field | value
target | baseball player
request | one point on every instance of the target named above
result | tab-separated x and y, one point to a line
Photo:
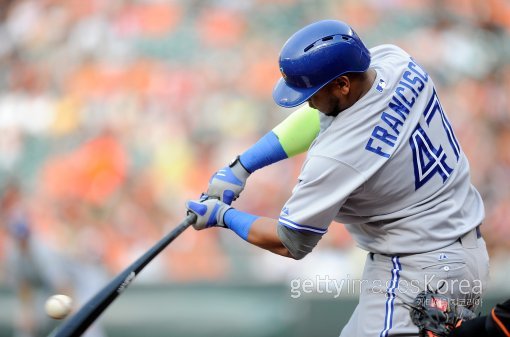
382	159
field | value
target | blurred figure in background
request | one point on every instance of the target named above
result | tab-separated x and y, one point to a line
35	271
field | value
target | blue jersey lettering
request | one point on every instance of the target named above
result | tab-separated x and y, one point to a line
384	136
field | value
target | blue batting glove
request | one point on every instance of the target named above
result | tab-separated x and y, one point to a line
209	212
228	183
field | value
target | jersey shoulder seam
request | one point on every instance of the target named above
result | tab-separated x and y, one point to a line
338	161
345	164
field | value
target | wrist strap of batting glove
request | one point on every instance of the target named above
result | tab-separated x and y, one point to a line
239	170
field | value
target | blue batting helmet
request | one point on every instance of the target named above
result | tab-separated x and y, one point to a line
316	55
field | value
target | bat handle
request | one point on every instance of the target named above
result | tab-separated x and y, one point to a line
191	218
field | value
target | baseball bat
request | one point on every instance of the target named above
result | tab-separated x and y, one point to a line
81	320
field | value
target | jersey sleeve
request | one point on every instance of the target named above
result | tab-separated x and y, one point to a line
298	130
323	187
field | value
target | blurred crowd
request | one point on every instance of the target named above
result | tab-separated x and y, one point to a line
113	113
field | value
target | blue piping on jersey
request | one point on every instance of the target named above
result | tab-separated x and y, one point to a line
292	225
390	301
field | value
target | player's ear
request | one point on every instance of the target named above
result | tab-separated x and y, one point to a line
343	83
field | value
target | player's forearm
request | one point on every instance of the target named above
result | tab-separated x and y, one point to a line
259	231
289	138
263	233
292	136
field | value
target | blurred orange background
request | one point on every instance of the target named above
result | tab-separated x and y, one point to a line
113	113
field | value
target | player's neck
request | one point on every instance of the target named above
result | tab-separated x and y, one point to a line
367	80
360	85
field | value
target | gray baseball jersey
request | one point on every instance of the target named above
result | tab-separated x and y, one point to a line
389	167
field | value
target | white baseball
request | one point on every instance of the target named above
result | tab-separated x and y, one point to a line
58	306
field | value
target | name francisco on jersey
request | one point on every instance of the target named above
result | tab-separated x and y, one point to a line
409	88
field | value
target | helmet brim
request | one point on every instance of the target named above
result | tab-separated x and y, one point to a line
289	97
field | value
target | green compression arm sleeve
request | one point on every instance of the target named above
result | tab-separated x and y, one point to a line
297	132
291	137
